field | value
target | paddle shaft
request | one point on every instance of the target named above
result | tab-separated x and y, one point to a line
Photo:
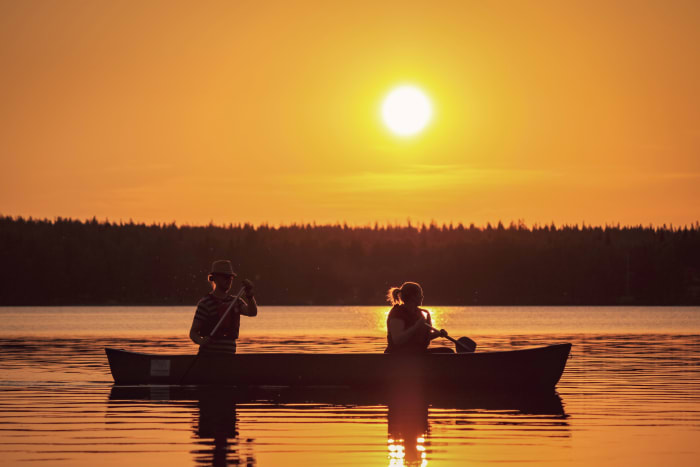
448	337
223	317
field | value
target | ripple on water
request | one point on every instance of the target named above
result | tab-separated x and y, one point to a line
619	390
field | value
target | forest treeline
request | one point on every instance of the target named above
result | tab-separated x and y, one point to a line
72	262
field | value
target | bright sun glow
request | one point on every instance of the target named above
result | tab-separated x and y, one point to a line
406	110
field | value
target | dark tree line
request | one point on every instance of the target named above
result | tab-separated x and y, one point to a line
70	262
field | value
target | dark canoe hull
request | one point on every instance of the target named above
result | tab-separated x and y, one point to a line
519	370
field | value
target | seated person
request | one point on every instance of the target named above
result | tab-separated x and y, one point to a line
406	324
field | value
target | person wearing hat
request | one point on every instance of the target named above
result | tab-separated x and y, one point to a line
212	307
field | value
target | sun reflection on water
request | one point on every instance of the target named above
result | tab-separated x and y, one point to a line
398	456
381	314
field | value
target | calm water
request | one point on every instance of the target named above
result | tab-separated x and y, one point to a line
630	394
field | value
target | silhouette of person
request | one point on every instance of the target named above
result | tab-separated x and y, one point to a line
213	306
406	324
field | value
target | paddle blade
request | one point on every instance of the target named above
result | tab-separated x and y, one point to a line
465	345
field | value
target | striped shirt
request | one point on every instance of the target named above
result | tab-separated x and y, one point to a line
210	309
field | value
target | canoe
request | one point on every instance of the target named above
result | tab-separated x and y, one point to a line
535	369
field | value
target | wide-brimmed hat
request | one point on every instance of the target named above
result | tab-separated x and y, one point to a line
222	266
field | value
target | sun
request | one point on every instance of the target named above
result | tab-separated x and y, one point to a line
406	110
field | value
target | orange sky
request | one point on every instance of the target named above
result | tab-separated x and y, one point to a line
269	111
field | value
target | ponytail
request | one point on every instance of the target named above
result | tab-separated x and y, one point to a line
392	295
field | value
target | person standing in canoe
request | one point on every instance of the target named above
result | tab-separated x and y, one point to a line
406	324
212	307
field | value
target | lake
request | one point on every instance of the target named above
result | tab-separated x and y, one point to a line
630	394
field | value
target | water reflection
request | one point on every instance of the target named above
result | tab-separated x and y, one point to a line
408	409
216	430
408	428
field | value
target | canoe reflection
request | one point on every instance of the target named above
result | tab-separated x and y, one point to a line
215	426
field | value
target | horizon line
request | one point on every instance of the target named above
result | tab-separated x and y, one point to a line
519	224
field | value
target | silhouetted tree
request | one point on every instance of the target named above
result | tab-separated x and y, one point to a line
104	263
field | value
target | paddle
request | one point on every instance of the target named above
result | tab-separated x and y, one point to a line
235	299
213	331
462	345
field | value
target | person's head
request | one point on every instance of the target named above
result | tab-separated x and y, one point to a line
409	293
221	275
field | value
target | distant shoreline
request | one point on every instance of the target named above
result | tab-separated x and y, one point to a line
513	224
74	263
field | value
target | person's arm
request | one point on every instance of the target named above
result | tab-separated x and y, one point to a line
196	329
250	307
436	334
433	334
399	334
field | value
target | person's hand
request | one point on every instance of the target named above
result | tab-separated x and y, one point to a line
443	333
249	288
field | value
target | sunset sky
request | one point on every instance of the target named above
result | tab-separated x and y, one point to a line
193	112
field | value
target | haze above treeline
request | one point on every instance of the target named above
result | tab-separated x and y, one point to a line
73	262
